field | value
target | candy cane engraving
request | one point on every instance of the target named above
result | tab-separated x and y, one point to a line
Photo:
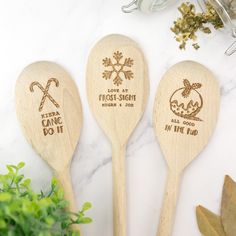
45	92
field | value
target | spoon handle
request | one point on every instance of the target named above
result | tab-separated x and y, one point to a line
64	179
119	191
169	205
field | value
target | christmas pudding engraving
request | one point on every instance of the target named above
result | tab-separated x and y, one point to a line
118	68
187	102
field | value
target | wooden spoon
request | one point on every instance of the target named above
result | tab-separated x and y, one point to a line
185	115
117	87
49	110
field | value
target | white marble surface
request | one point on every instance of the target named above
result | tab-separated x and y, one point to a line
64	31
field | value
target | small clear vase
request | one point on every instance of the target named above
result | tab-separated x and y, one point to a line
226	9
147	6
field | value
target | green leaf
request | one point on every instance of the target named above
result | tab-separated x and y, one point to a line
228	207
10	168
86	206
2	224
26	183
209	224
20	165
18	179
25	212
5	197
85	220
50	220
75	234
54	181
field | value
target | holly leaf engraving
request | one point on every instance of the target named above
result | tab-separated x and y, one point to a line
209	224
228	207
196	85
186	83
188	87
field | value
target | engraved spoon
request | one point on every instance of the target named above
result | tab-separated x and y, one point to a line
117	88
49	110
185	115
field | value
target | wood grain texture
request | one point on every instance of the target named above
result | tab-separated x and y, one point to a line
49	110
185	115
117	88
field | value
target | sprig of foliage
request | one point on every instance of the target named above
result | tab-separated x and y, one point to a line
26	213
186	27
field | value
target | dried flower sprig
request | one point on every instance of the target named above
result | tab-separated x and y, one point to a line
211	224
186	26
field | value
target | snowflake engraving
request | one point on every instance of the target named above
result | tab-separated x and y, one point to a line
119	70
